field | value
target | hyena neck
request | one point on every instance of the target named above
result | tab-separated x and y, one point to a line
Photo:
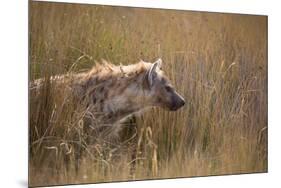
114	91
120	115
121	106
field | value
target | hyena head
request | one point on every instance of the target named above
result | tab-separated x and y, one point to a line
158	89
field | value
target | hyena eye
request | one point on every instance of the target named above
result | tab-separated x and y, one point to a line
168	88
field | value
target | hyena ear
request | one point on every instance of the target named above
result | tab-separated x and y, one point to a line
159	63
152	72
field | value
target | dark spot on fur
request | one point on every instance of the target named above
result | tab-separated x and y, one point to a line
101	89
163	80
159	99
110	115
110	84
94	100
105	94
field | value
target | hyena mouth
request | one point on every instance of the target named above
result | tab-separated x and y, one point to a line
175	108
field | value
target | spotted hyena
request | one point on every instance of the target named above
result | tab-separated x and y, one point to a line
112	93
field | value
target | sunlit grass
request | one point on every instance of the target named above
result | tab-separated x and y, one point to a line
218	62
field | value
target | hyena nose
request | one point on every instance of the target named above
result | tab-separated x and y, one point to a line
181	103
177	102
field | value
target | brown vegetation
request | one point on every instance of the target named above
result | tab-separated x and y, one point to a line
218	62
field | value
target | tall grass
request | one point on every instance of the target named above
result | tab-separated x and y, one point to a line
218	62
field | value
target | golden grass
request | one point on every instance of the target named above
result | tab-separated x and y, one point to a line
218	62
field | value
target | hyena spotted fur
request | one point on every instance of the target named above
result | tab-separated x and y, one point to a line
116	92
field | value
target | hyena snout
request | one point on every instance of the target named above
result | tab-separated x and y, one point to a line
177	102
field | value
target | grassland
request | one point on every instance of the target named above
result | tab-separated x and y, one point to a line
218	62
